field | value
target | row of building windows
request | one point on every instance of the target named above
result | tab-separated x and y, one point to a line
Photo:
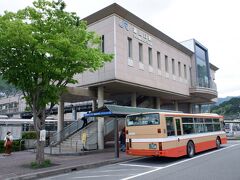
150	59
8	105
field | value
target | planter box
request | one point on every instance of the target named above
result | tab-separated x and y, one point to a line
30	143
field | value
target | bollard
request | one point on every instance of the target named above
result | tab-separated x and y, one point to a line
76	146
50	149
20	145
60	150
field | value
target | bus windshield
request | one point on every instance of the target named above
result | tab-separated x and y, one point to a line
143	119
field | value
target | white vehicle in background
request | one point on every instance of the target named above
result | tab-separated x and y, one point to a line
232	128
17	126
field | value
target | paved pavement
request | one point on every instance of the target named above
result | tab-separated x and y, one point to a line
17	166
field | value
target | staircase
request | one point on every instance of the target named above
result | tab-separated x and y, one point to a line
72	143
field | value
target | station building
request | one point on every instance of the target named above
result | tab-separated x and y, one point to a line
149	68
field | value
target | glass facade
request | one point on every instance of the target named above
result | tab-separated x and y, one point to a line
202	66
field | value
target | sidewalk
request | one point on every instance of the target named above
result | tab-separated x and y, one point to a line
16	166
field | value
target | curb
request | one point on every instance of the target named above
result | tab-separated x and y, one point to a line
79	153
233	139
68	169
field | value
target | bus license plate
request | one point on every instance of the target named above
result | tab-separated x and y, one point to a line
152	146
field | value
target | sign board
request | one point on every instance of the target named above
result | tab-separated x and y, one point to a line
137	32
42	135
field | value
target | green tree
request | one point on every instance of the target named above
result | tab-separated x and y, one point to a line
42	48
228	108
7	89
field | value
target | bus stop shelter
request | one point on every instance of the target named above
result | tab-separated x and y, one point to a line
116	112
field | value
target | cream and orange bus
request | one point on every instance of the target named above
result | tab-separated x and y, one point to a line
173	134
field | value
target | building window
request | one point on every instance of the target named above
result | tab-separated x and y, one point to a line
102	43
179	69
140	48
173	66
150	56
203	75
185	71
129	48
166	63
159	60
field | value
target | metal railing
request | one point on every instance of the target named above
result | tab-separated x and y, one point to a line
212	85
58	137
108	127
77	146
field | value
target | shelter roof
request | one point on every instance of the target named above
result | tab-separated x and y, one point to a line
121	111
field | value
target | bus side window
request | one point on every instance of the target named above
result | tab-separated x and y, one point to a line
170	126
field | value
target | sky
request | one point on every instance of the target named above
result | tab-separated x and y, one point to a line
213	23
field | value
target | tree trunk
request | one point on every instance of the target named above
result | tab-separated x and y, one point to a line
39	124
40	152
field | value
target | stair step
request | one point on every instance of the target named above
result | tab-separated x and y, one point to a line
75	139
66	150
69	147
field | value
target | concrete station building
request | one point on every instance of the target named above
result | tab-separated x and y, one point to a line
149	69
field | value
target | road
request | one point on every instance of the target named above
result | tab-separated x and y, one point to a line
222	164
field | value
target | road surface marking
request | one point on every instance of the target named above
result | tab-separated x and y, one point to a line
180	162
114	170
97	176
135	159
138	165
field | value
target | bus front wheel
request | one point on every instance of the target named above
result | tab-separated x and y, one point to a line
190	149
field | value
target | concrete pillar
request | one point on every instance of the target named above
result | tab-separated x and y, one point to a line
190	108
94	103
158	103
74	113
116	139
134	100
100	119
60	124
199	108
176	105
94	106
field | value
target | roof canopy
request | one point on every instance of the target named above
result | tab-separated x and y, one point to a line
121	111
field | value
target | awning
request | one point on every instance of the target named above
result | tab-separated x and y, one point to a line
121	111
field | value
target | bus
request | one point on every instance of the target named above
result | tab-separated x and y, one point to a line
17	126
232	128
173	134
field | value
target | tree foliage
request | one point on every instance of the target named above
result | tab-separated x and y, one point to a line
228	108
7	89
42	48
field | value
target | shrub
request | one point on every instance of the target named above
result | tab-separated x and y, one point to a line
29	135
1	146
16	146
45	164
